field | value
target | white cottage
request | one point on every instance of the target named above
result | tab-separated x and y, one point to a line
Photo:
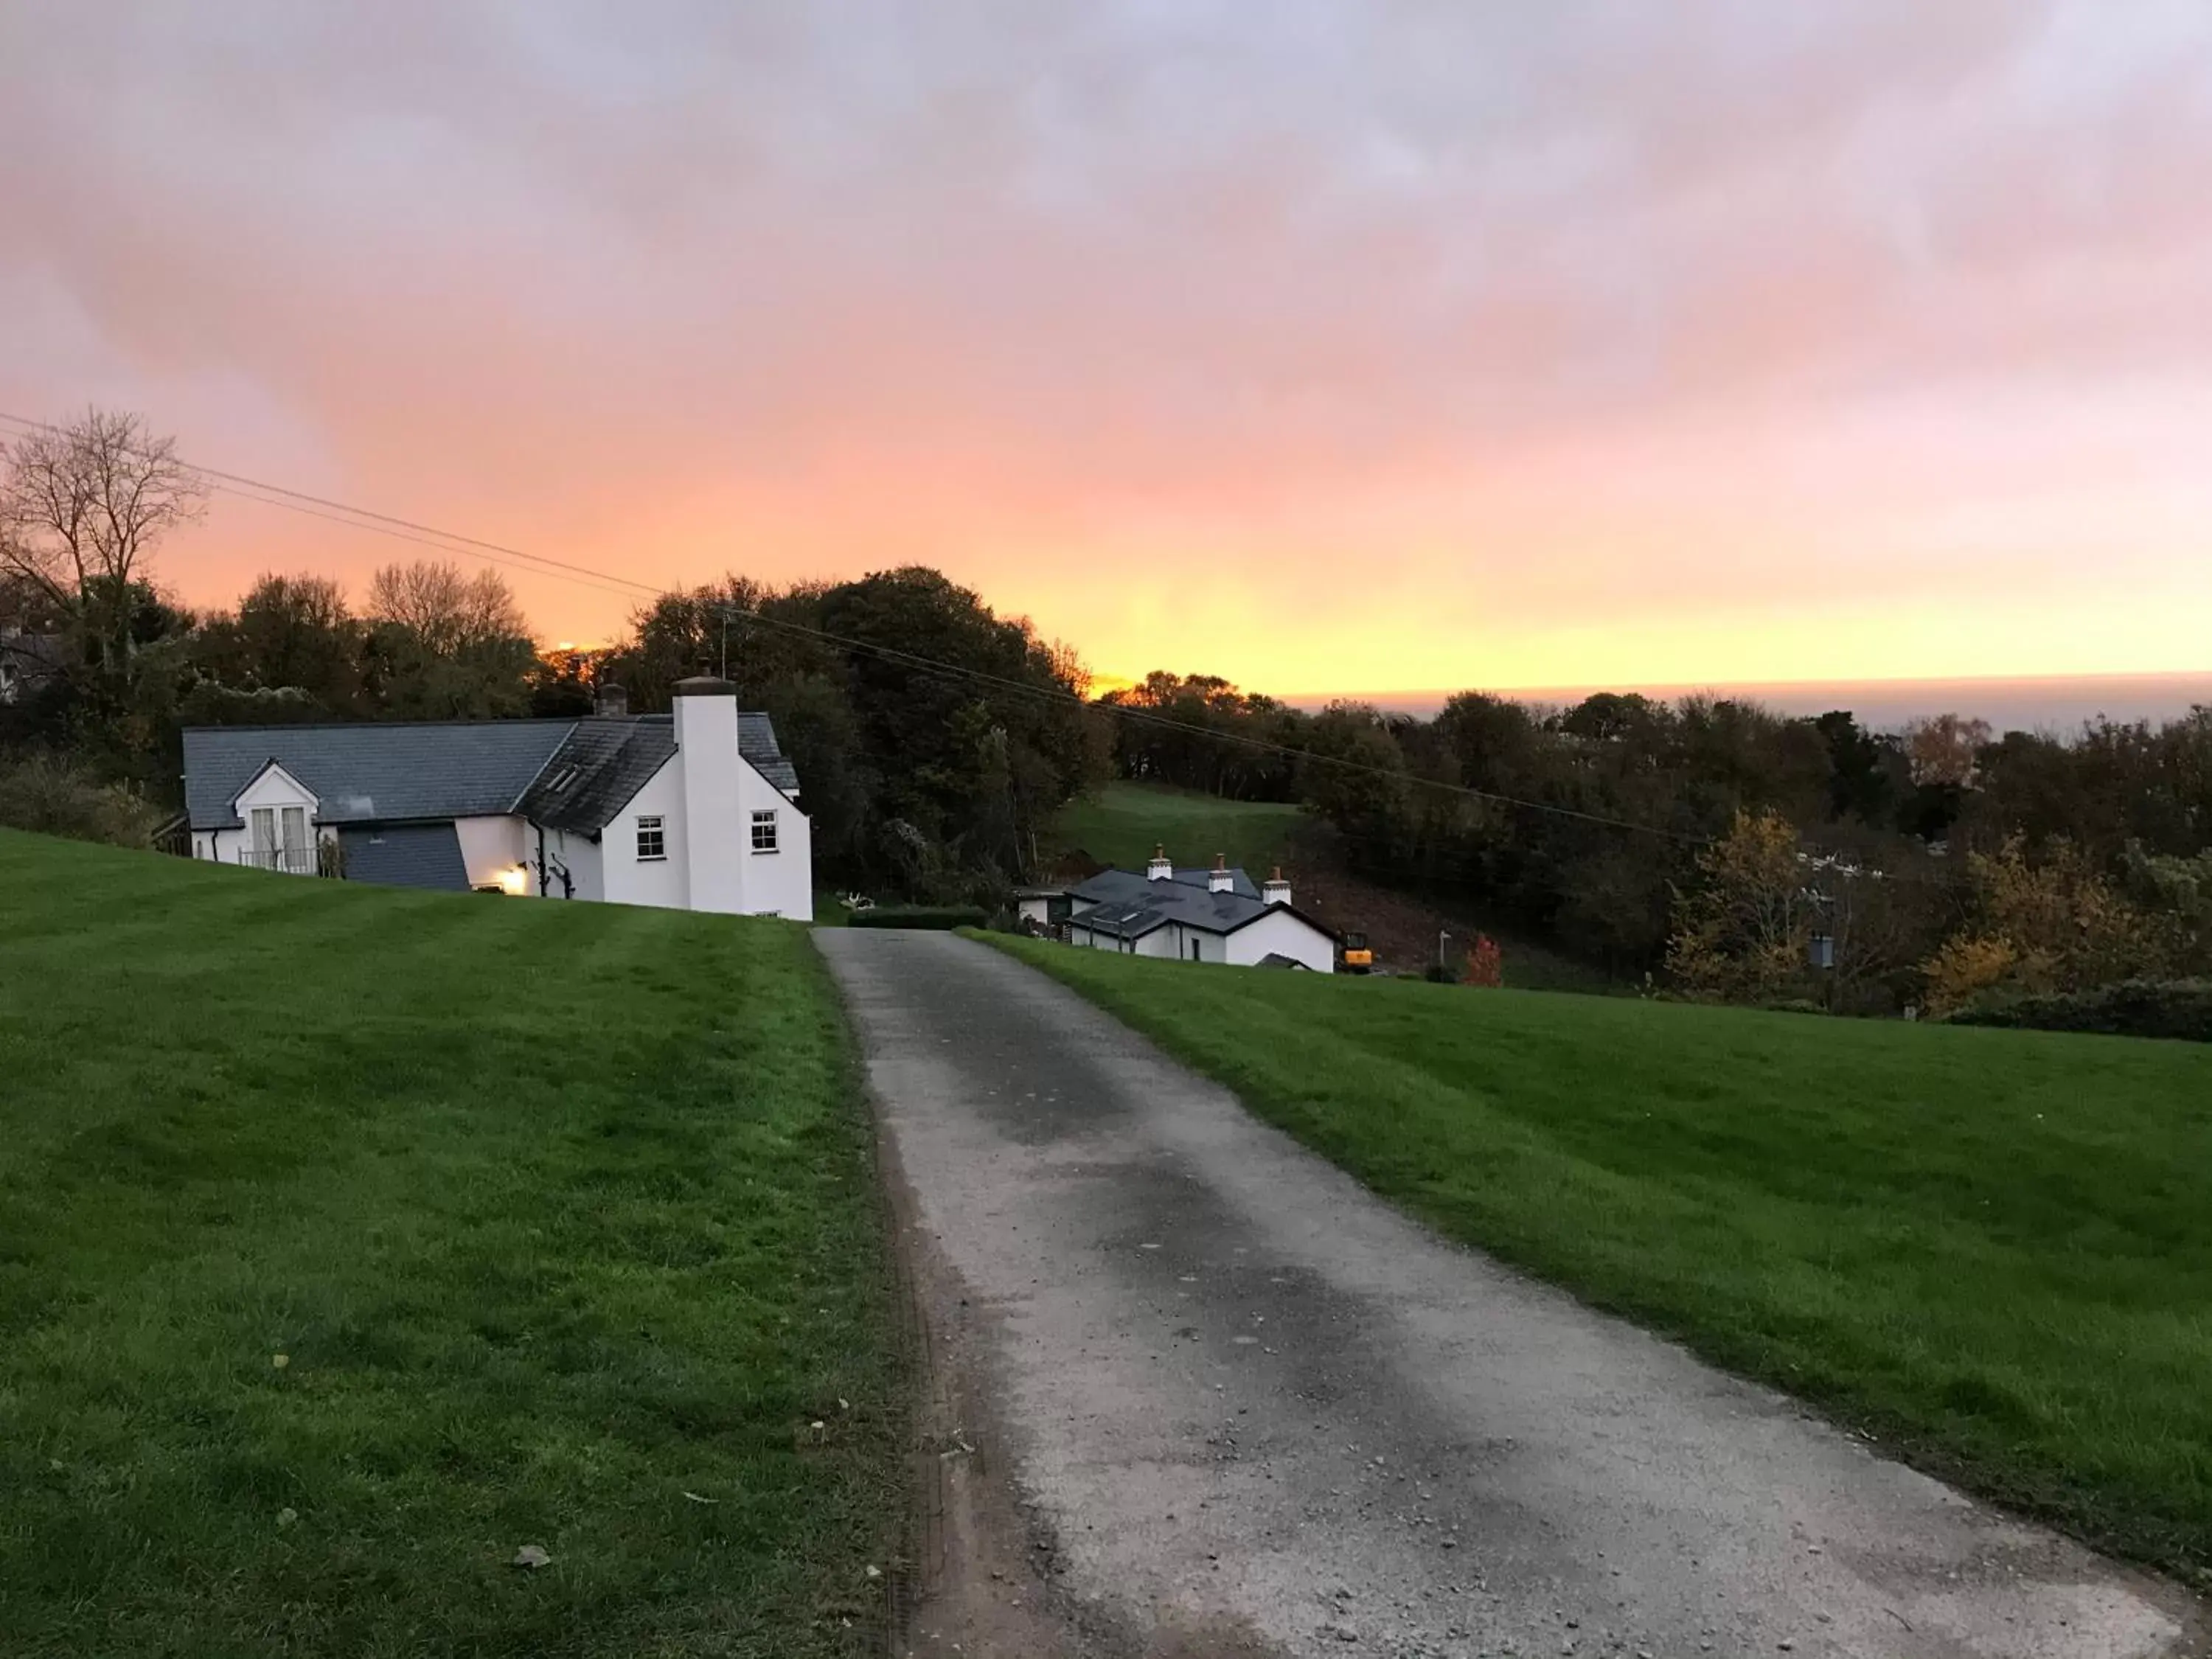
1196	915
694	810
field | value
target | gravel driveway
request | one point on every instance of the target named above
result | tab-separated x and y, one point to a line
1195	1392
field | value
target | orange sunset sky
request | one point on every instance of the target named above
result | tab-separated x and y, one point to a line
1326	346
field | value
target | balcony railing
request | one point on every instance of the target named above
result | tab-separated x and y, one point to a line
290	860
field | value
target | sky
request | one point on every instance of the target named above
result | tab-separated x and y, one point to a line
1323	344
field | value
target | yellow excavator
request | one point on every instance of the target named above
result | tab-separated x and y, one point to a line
1353	956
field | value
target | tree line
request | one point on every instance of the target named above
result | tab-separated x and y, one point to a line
1709	844
933	749
1731	851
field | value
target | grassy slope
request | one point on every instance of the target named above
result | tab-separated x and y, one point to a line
556	1213
1994	1247
1126	821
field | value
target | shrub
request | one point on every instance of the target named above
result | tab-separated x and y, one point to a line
2180	1009
943	917
53	797
1966	967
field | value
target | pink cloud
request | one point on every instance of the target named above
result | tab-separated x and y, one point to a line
1470	328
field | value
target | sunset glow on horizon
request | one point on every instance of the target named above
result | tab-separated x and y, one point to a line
1387	343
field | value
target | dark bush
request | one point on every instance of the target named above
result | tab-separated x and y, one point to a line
2180	1009
944	917
55	797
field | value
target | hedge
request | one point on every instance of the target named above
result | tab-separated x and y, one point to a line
945	917
2180	1009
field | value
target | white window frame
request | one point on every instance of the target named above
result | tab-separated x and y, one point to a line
653	824
263	820
767	820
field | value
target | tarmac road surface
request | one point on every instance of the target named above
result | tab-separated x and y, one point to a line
1195	1392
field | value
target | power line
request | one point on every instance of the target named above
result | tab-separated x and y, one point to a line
426	535
362	518
1145	716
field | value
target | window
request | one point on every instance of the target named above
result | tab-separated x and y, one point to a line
765	831
651	842
264	830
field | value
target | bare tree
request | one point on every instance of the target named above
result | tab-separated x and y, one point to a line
447	612
448	646
1946	749
82	509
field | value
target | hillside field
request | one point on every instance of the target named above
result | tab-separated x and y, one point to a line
1992	1249
352	1239
1124	821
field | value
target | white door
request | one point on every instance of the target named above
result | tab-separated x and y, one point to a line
264	837
295	840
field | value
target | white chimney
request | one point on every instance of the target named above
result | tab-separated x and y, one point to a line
1275	889
1162	868
707	754
1219	879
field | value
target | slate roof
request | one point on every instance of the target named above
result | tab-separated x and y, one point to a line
592	775
1128	884
404	772
368	773
1123	904
757	743
406	855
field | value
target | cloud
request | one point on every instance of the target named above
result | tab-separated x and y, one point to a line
1430	332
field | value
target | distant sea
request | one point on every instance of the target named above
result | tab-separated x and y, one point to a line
2057	704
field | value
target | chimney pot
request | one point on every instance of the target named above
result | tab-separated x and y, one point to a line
705	685
1162	868
1219	879
1276	889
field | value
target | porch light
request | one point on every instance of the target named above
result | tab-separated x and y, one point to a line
515	882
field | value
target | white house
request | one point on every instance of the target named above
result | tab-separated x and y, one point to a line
693	810
1196	915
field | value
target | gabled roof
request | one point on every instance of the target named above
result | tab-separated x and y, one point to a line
1126	905
595	772
757	743
1133	907
423	771
1109	885
368	773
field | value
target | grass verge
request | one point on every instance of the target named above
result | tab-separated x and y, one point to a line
352	1239
1991	1248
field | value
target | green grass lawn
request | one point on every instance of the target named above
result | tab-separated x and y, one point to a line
1993	1248
1124	821
352	1239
